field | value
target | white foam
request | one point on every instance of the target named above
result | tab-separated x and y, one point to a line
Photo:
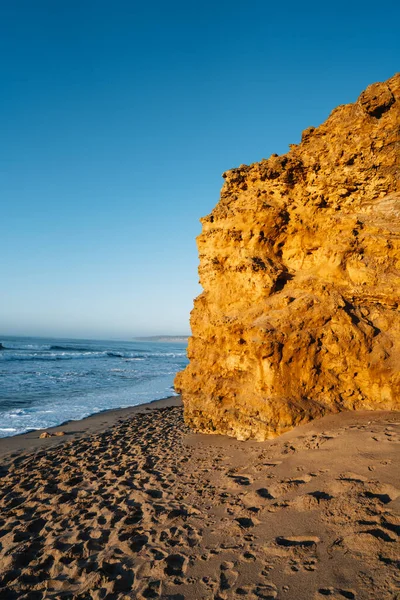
48	389
64	409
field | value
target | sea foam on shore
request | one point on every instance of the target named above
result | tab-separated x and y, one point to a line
48	381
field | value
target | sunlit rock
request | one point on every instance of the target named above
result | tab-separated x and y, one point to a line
300	265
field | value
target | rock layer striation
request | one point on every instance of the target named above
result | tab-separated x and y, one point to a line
300	266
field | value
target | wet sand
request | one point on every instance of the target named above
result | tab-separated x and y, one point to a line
73	430
131	504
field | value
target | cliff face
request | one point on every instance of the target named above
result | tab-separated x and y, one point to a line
300	265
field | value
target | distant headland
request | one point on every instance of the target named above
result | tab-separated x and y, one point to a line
163	338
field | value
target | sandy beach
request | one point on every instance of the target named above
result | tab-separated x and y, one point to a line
131	504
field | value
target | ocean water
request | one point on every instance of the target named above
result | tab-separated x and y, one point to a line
44	382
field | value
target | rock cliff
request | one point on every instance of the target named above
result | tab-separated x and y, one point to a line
300	265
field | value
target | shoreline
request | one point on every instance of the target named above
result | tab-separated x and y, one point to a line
75	429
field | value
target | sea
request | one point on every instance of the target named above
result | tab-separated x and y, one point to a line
45	382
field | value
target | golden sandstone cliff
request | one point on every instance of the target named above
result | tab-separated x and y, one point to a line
300	265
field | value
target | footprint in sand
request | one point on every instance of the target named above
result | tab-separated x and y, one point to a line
265	465
352	477
384	493
372	542
297	540
265	494
176	565
245	522
314	441
320	495
294	565
390	434
288	485
241	479
264	591
299	553
334	594
228	575
311	501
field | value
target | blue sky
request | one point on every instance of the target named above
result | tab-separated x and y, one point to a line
117	120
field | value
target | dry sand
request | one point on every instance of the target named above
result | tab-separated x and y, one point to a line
130	504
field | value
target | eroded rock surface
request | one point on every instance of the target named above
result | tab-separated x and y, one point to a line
300	265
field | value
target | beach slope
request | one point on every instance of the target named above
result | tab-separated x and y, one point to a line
147	509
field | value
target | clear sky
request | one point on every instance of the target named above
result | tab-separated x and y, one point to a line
117	119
